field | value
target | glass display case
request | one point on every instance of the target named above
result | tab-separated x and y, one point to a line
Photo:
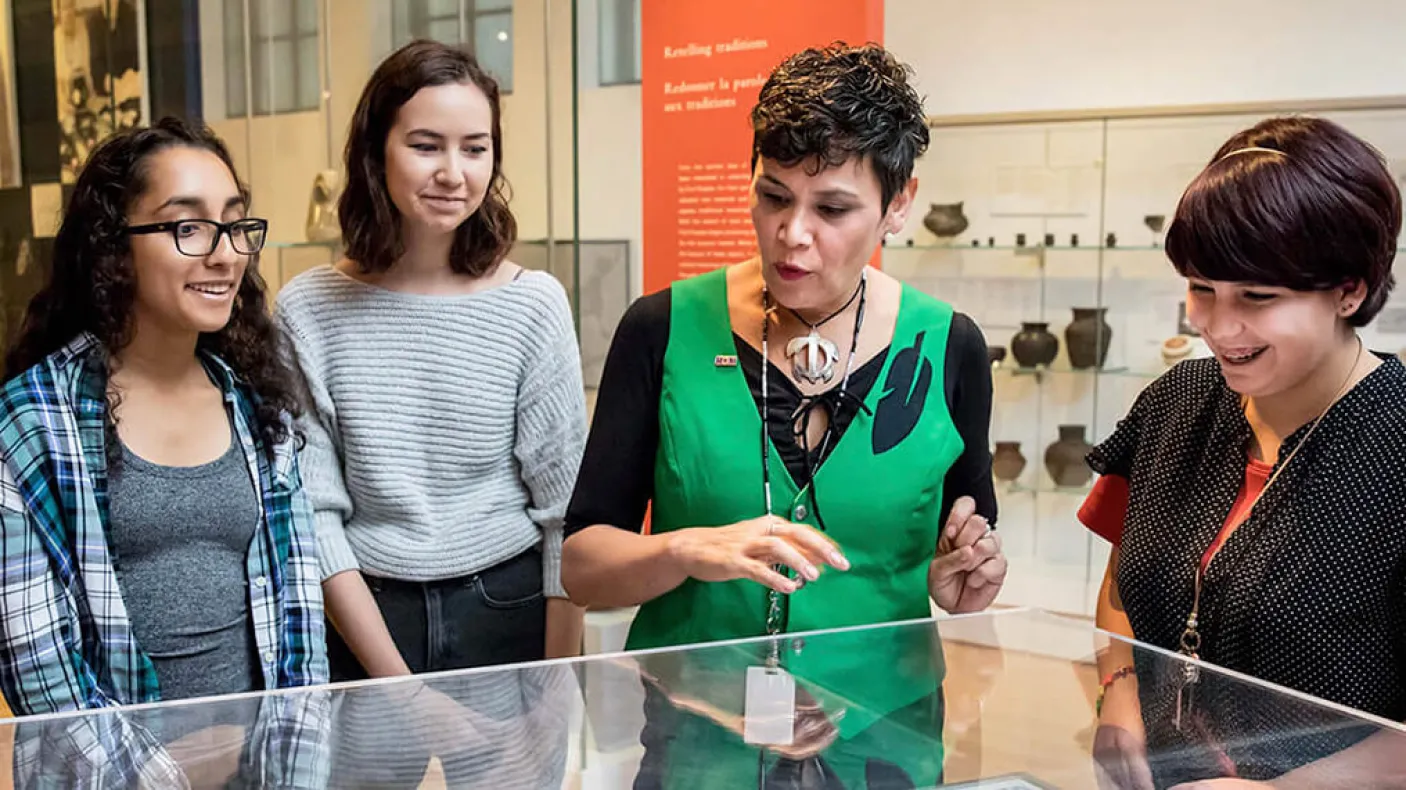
596	276
1048	232
1001	700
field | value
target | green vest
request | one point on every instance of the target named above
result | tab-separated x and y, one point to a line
880	493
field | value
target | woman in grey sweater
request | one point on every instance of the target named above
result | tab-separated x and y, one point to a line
446	416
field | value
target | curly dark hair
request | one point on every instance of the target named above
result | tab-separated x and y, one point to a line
370	221
823	106
1297	202
91	285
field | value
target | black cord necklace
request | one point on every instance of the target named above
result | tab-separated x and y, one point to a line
813	357
774	615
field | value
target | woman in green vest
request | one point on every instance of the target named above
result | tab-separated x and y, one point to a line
810	437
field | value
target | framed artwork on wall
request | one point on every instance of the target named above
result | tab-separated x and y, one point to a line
9	113
98	75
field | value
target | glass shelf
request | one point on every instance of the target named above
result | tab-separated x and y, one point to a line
1044	488
1029	248
1012	369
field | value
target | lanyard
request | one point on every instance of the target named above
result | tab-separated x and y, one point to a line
774	615
1190	642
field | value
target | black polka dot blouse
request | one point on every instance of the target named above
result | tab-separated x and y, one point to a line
1308	593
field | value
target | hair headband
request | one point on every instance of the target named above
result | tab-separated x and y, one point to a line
1251	148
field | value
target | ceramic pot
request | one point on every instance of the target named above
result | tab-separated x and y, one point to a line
1034	344
1180	347
945	220
1087	337
1007	462
1175	349
995	354
1064	459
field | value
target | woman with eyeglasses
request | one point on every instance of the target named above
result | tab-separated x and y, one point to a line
157	542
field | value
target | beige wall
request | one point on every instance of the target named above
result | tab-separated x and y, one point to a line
1077	54
970	58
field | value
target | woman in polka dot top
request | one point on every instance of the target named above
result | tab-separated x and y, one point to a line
1254	499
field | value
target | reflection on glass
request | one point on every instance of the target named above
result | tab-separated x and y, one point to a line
487	24
619	35
1006	697
493	45
284	68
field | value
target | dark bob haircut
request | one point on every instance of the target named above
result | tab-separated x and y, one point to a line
1292	202
370	221
823	106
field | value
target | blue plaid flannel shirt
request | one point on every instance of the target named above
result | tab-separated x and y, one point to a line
67	644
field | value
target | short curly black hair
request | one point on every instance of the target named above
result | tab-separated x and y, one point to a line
823	106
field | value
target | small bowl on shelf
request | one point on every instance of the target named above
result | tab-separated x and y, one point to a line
1180	347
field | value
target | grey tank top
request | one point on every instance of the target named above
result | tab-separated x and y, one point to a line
180	537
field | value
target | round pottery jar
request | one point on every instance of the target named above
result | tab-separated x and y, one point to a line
1007	462
1064	459
945	220
1034	345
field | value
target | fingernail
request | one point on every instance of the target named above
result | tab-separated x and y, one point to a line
810	572
838	560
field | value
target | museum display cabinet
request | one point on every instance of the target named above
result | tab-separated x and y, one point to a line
1002	700
1047	230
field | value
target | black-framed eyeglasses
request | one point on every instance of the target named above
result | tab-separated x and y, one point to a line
199	237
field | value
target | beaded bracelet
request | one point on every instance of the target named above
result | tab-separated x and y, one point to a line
1113	677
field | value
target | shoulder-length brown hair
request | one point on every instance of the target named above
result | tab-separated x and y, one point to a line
370	221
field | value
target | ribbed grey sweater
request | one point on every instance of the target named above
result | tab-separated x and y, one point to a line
444	433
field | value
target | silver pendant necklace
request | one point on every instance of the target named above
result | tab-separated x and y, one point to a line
774	614
812	356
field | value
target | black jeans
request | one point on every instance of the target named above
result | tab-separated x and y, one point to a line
498	616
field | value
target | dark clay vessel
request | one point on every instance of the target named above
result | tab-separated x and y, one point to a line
1007	462
945	221
1087	337
1034	344
1064	459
